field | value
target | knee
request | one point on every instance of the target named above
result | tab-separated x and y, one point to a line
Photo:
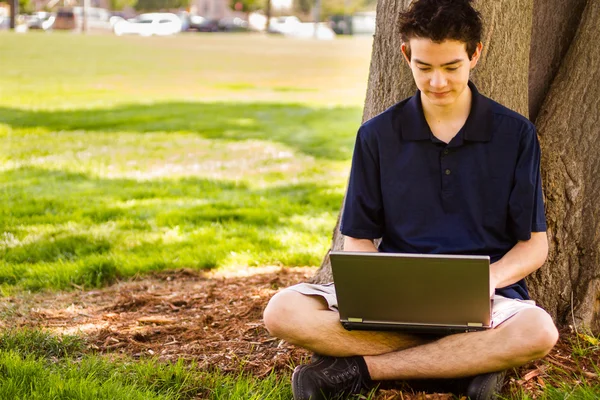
540	333
276	314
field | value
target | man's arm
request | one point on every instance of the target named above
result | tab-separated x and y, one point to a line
524	258
352	244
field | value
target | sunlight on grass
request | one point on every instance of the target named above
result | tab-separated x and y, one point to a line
37	365
166	155
46	73
93	377
201	151
94	193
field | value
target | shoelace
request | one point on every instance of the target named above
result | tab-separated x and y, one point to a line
343	375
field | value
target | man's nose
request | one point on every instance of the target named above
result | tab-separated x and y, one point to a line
438	79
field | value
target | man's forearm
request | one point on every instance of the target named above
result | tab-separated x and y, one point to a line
352	244
524	258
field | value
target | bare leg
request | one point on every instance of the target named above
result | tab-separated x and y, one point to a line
307	322
529	335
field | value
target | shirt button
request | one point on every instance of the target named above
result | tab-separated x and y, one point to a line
446	151
448	172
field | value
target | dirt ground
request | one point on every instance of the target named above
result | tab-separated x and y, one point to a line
214	318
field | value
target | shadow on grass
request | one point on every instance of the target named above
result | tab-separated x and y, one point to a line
320	132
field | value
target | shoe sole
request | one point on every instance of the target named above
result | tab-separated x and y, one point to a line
297	390
295	383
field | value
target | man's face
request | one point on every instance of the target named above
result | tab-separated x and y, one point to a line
441	70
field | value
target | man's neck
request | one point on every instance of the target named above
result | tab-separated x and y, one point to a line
446	121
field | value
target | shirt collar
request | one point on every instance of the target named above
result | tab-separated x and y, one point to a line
477	128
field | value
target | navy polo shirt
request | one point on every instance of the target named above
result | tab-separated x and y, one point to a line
477	195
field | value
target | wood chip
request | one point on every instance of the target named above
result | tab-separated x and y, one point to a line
155	320
531	374
220	326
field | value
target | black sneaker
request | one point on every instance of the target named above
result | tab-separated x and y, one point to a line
486	386
330	376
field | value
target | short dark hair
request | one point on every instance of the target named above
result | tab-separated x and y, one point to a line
441	20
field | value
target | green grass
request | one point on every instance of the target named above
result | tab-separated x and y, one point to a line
94	377
38	365
128	156
62	70
559	390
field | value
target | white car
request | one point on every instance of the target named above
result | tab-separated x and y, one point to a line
293	27
160	24
284	25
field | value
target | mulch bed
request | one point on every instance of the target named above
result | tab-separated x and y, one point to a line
214	319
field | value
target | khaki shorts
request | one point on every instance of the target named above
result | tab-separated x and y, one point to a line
503	308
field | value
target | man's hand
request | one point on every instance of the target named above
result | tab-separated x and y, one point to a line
524	258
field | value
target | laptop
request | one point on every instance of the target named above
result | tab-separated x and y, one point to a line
417	293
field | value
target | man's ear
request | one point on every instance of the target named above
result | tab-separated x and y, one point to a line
476	55
405	49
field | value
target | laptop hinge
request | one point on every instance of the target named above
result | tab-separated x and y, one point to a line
351	319
474	324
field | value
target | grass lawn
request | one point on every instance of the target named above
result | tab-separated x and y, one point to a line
125	155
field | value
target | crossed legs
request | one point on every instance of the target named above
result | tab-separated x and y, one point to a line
307	322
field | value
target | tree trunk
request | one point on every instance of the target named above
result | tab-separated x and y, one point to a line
502	72
554	26
569	127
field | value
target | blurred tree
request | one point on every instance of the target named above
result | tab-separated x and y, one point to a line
334	7
303	6
26	7
119	5
157	5
248	5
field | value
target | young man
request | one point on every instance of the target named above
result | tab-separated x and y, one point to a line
447	171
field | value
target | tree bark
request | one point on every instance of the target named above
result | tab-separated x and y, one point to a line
503	71
569	127
501	74
555	23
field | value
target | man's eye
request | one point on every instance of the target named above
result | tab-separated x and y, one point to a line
424	68
452	69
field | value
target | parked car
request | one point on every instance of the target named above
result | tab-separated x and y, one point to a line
202	24
41	20
293	27
149	24
284	25
233	24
